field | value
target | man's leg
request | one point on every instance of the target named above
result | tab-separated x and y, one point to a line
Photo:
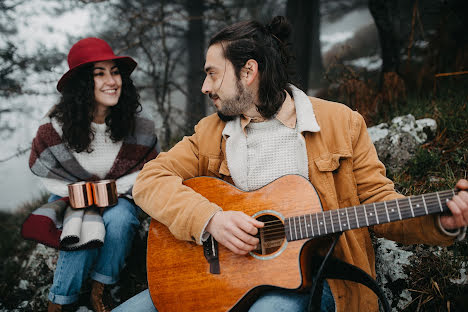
287	301
141	302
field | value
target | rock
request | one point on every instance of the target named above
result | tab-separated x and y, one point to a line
404	134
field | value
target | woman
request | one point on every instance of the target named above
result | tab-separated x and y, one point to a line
95	132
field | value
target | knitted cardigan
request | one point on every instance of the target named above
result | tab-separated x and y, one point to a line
50	158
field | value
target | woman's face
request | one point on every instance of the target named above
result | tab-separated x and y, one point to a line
107	84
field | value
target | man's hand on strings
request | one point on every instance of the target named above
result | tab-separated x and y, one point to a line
458	206
235	230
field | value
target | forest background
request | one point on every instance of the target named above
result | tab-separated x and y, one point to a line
411	58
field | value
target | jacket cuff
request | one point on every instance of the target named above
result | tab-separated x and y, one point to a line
459	233
204	233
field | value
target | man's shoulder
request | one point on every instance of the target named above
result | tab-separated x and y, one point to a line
328	110
210	123
327	107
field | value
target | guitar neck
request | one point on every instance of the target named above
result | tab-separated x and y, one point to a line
339	220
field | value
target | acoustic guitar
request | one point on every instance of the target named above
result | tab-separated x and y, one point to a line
181	279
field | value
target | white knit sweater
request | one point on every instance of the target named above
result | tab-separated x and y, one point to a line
273	150
98	162
270	149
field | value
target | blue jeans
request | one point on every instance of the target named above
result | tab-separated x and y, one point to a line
275	300
103	264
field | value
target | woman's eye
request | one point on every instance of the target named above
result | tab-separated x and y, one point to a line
99	74
116	72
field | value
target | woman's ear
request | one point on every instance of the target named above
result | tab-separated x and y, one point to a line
250	71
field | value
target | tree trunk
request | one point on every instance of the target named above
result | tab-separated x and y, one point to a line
195	38
386	16
304	16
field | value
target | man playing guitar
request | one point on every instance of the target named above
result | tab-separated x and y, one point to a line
266	128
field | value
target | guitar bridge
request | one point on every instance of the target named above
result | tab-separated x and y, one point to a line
210	250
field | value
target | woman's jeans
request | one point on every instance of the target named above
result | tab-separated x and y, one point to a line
103	264
275	300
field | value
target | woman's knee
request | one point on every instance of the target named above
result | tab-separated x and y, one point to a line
121	216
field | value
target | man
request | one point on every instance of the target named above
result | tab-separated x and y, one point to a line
266	128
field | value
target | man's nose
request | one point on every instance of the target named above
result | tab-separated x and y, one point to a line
206	87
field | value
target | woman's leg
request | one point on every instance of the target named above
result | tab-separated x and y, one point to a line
121	222
72	268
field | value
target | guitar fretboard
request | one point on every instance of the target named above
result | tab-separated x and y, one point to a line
338	220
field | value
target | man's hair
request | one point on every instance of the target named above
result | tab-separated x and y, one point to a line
75	110
269	46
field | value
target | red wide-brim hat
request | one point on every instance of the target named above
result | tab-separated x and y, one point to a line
90	50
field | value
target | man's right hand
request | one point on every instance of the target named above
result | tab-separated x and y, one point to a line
235	230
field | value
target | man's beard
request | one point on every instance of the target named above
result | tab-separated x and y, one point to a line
237	105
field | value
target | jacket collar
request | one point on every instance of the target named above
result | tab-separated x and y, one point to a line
305	116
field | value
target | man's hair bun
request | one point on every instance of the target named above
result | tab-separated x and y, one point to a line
280	27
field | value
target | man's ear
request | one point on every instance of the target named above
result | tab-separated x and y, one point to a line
250	71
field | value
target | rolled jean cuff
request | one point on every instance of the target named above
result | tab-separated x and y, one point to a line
58	299
107	280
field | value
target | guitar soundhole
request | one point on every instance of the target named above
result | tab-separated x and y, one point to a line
271	236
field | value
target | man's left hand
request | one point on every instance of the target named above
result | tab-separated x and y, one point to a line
458	206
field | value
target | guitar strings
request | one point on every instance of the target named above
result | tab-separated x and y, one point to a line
275	227
404	207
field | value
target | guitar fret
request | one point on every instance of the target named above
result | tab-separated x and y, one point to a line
418	206
324	223
305	224
339	220
398	208
370	217
386	210
438	197
300	227
331	221
357	220
376	216
381	212
318	225
411	207
347	218
365	214
311	225
425	206
405	209
295	229
290	228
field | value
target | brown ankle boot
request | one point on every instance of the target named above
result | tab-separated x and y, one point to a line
101	300
53	307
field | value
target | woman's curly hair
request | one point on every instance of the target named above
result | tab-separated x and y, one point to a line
75	110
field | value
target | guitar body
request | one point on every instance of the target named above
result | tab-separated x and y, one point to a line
179	277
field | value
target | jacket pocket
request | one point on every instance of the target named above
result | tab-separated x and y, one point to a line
336	177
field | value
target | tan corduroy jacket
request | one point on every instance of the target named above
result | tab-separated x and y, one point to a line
343	167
